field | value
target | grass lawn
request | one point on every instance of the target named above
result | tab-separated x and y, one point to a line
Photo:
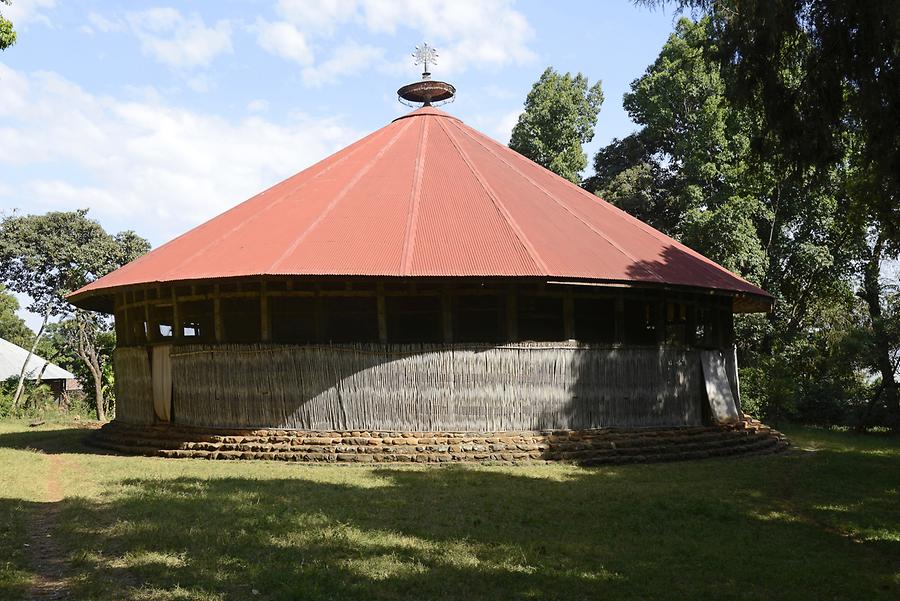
819	522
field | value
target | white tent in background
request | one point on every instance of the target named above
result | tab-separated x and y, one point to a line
12	357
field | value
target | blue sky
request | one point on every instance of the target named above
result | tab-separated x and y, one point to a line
157	116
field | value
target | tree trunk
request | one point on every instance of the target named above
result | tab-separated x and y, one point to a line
98	394
20	388
871	293
87	350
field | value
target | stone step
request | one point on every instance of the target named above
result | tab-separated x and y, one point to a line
175	437
637	446
587	447
722	447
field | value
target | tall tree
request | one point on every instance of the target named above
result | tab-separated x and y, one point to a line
560	115
90	337
7	33
848	89
48	256
692	170
686	171
849	58
13	327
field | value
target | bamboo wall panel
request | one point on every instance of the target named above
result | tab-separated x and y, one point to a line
134	392
433	387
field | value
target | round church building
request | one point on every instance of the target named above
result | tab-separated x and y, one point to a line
426	293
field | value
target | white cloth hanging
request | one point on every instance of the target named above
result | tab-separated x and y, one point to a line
161	371
718	389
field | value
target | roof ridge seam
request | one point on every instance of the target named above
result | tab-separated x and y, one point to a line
415	197
498	205
268	207
337	199
569	210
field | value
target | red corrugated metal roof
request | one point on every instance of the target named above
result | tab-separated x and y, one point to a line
426	195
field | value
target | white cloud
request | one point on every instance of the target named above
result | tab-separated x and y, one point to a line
285	40
178	40
58	193
258	105
321	16
142	163
498	126
104	24
347	59
506	123
468	33
23	12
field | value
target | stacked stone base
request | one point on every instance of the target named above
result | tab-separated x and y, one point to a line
586	447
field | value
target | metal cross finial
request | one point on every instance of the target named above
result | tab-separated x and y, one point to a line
423	55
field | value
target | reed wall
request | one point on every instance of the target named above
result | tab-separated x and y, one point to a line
134	393
422	387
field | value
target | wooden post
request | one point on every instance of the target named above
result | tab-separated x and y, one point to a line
382	315
217	315
661	311
447	314
569	316
619	320
319	310
148	327
690	337
176	317
728	330
512	317
265	319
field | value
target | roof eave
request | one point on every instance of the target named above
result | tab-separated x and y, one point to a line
102	299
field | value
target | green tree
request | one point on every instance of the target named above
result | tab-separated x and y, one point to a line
826	79
693	171
627	174
686	171
13	327
49	256
85	342
7	33
560	115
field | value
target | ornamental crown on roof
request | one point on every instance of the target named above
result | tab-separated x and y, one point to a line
423	55
426	91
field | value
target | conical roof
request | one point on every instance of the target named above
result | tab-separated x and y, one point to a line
427	195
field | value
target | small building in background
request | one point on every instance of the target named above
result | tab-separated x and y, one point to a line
13	356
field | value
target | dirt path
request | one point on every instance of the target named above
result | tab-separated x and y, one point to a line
45	555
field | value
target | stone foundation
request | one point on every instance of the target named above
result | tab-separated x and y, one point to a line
587	447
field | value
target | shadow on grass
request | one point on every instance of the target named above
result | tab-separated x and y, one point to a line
468	533
15	574
52	441
805	525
